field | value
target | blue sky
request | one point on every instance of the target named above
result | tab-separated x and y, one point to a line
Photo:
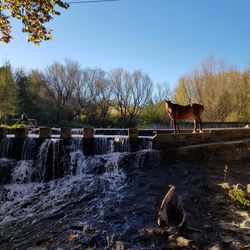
163	38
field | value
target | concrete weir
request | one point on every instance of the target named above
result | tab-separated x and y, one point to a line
136	139
168	141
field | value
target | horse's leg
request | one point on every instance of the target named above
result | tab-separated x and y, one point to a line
178	127
199	120
174	121
195	126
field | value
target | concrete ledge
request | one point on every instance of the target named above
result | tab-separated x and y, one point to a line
65	133
226	151
45	132
21	132
133	133
88	132
165	141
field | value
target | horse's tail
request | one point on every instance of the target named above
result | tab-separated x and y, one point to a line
202	107
202	110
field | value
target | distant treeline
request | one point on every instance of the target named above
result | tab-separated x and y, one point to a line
68	95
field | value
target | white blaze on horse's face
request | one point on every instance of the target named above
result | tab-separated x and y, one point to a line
168	105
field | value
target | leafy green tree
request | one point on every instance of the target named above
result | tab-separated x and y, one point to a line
181	94
42	106
34	14
154	113
246	81
21	82
8	93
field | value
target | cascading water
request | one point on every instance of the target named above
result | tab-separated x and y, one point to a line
22	172
29	146
6	147
55	189
116	144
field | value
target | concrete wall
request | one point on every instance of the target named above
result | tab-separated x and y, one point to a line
190	125
166	141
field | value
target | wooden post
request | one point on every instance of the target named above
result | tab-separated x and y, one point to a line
133	139
132	133
45	132
88	141
21	132
88	132
65	133
18	141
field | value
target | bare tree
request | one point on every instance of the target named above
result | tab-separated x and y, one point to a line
121	89
103	93
163	91
141	94
64	82
132	92
219	87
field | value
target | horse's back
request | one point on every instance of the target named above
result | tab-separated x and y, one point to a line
182	112
190	111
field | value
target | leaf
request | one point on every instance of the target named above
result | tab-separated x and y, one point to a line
73	237
34	14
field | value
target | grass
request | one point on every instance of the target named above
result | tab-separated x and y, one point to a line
237	195
13	126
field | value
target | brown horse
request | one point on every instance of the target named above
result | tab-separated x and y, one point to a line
178	112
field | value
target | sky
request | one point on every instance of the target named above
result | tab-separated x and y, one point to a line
165	39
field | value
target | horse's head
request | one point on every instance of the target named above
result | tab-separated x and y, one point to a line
168	103
169	106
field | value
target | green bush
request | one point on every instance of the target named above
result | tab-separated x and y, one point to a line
238	196
13	126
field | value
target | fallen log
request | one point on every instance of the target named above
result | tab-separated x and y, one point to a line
171	212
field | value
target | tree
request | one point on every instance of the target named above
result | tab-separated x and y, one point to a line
8	93
65	86
21	82
141	94
103	95
154	114
132	92
220	87
34	14
41	106
181	95
163	91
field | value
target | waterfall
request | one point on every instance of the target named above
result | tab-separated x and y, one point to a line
48	197
28	151
22	172
48	159
105	145
43	157
102	145
76	144
6	147
54	185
